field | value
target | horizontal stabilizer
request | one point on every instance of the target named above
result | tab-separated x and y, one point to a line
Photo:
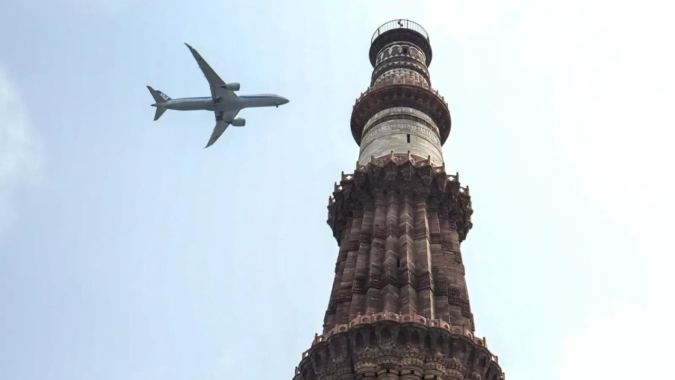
160	111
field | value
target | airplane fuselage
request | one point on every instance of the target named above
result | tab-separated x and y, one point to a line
208	104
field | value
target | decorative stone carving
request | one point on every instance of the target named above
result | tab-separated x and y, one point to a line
401	174
407	346
399	50
400	64
397	240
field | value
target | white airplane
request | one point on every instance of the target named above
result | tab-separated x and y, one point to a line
223	101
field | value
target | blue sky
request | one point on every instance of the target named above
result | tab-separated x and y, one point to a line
127	251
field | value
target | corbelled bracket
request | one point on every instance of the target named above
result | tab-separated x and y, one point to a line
402	174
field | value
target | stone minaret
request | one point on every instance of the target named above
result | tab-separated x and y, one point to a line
399	307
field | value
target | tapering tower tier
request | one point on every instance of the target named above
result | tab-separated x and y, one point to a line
399	222
400	111
399	307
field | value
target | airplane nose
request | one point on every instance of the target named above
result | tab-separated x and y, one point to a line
285	100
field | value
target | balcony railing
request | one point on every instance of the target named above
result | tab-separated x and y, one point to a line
397	24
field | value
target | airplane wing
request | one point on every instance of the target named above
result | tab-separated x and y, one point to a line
223	120
214	80
221	126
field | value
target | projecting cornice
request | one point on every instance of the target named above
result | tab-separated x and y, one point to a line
402	346
405	175
396	92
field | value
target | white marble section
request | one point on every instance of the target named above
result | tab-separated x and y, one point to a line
400	135
392	112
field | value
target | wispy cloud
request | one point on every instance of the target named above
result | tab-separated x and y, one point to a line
20	148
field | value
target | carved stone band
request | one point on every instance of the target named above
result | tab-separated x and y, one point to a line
387	113
401	136
402	72
401	49
398	127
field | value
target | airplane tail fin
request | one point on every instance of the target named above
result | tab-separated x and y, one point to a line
160	98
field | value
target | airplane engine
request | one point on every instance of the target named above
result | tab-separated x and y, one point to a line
232	86
238	122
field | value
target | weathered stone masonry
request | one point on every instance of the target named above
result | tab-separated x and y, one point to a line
399	307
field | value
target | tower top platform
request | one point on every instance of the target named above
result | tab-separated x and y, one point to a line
400	30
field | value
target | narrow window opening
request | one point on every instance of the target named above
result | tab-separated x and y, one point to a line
398	263
408	139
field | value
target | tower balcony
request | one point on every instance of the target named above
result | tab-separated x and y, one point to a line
400	91
398	24
415	347
400	30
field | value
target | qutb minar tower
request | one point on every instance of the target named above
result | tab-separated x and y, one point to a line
399	307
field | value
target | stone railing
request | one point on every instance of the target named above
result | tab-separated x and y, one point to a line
348	177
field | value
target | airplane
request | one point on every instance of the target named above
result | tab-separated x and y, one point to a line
223	101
